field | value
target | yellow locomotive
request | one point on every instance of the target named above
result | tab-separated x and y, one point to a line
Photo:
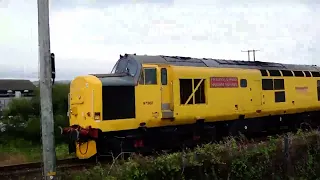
156	102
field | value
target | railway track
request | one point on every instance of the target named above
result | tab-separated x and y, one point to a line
36	167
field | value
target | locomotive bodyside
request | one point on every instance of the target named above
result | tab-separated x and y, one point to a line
252	95
147	100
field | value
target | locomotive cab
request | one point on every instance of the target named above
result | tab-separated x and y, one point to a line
134	94
139	90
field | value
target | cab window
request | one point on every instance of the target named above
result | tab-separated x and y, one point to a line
132	68
127	66
121	66
164	80
150	76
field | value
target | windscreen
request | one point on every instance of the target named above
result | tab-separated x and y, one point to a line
127	66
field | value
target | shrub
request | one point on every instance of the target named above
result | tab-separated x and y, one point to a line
59	100
227	160
22	117
21	108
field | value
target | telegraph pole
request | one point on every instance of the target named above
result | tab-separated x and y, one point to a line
47	124
254	54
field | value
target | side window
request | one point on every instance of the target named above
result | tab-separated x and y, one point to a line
307	73
186	89
164	78
150	75
263	72
280	96
298	73
286	73
315	74
267	84
278	84
274	73
200	93
243	83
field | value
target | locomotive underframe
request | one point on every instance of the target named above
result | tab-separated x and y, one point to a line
147	140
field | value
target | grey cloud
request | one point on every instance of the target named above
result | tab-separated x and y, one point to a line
233	27
282	35
62	72
90	43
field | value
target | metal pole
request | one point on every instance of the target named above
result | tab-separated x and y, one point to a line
47	124
254	54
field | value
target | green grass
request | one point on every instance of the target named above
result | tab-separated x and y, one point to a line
22	151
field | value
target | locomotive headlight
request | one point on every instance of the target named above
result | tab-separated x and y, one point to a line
97	116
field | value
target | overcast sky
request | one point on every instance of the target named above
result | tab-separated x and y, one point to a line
87	36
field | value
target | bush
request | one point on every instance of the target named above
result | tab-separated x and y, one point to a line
228	160
59	100
21	108
22	117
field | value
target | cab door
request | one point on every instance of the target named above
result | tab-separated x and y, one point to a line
166	93
148	94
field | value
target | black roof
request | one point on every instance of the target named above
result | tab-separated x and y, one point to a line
16	84
221	63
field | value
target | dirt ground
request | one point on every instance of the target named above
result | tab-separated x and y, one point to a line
11	159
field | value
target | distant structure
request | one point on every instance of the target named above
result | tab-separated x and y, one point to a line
254	54
13	88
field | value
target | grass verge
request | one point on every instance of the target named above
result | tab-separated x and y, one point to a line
21	151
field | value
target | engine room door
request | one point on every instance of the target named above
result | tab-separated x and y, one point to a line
256	92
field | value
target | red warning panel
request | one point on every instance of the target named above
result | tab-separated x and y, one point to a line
224	82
